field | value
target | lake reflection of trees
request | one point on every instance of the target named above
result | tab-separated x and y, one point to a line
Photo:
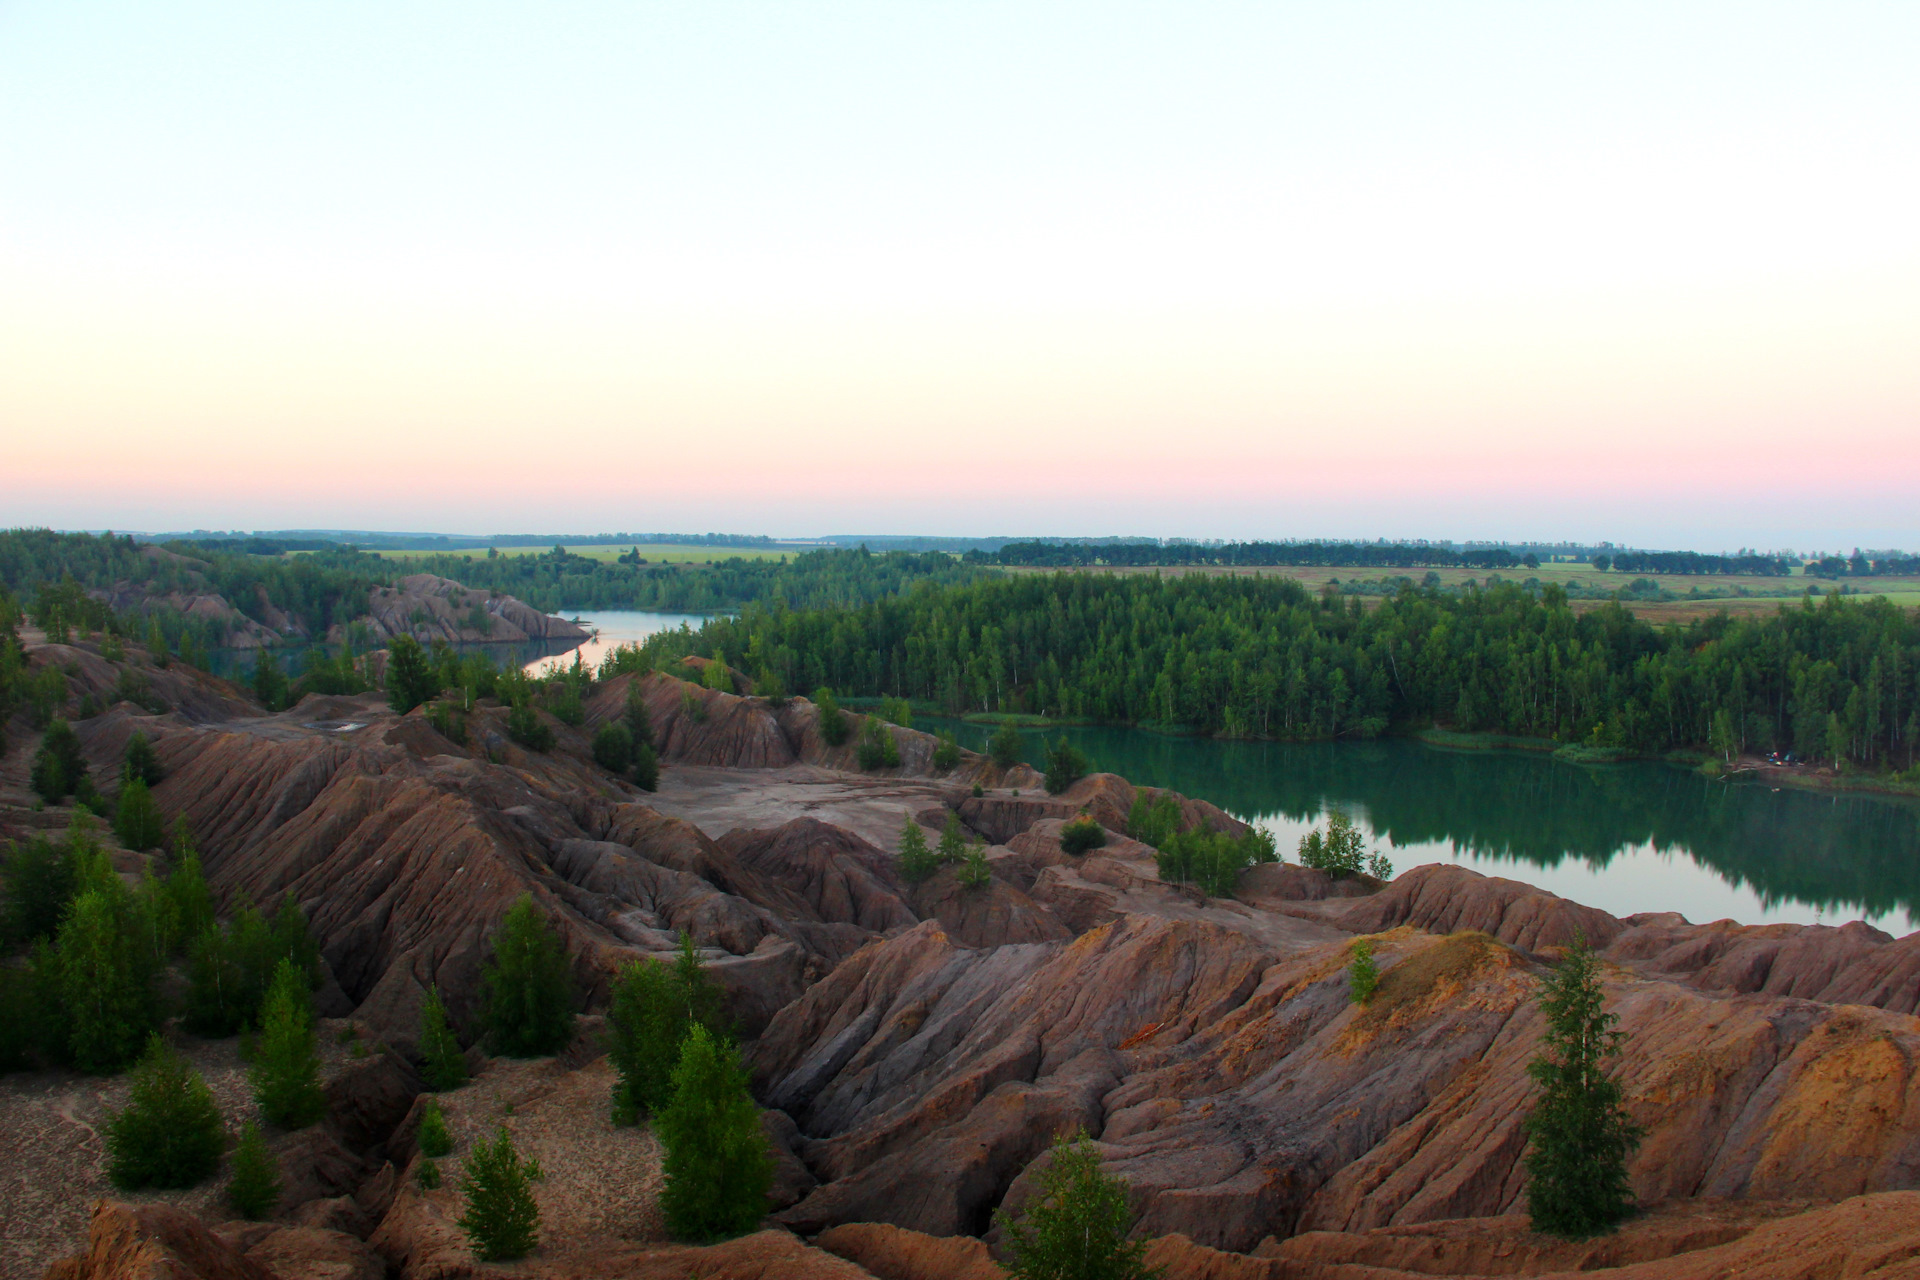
1827	850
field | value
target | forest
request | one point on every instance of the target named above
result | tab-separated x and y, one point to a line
1834	679
1381	555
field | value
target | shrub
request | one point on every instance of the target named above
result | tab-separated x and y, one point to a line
1082	835
1066	765
1152	822
1005	746
526	986
768	684
58	767
1379	867
411	678
946	754
169	1134
105	982
1076	1224
39	880
254	1188
140	761
653	1010
525	727
136	819
613	747
270	681
1339	851
693	708
448	721
639	724
1580	1131
19	1018
1212	860
286	1066
646	768
878	750
501	1221
1363	972
917	861
953	840
898	711
975	872
566	707
442	1065
718	676
432	1137
717	1166
428	1175
978	790
833	721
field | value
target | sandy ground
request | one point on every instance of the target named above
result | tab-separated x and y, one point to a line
715	799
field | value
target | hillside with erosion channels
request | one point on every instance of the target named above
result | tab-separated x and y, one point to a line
915	1044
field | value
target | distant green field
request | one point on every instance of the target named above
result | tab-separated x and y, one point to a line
652	552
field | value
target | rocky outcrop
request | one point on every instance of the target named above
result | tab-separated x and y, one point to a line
430	608
155	1242
839	875
1440	898
992	916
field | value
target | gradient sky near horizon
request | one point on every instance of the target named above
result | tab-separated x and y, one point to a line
1639	272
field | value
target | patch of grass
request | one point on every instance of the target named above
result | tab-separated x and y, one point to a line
1455	740
1451	962
1575	753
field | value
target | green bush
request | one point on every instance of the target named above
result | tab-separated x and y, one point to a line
717	1164
38	877
567	708
432	1138
833	721
653	1009
501	1221
613	747
718	676
768	684
442	1065
975	872
19	1018
1212	860
410	677
169	1135
1076	1224
58	768
286	1065
917	861
140	761
1066	765
946	754
525	727
878	750
254	1189
1339	851
1580	1131
639	723
136	818
526	986
1005	746
1363	972
953	841
1152	822
646	768
898	711
269	681
1082	835
428	1175
105	980
448	721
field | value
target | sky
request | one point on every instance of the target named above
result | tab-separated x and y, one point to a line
1647	273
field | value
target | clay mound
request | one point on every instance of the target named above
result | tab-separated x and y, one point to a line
190	694
430	608
154	1242
1442	899
1276	882
1106	797
840	876
1852	964
697	725
991	917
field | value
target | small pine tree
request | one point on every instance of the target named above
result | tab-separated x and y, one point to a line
918	862
1005	746
38	877
501	1221
169	1134
432	1137
269	681
946	754
291	941
411	678
442	1065
1363	972
192	900
140	761
1581	1133
254	1188
613	747
1076	1224
646	767
953	841
833	721
136	819
1066	765
654	1008
105	982
286	1065
639	723
718	676
19	1019
58	768
526	986
717	1166
428	1175
975	871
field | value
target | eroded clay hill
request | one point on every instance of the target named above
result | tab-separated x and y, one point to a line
918	1046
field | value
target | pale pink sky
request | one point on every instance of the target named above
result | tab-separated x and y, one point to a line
1510	271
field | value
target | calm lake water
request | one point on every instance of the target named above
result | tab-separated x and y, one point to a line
613	628
1624	838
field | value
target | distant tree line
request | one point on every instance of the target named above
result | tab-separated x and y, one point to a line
1837	680
1745	563
1372	555
1859	566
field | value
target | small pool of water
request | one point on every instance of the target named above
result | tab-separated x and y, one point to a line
613	628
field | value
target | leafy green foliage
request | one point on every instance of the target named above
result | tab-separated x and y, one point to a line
1153	822
953	840
1213	860
230	969
38	877
897	711
1340	850
136	819
613	747
1580	1131
525	727
1005	746
975	871
917	861
646	768
1082	835
442	1065
269	681
1363	972
410	678
432	1137
946	754
20	1032
717	1165
878	750
254	1188
833	721
58	769
105	979
501	1221
286	1066
140	761
718	676
428	1175
526	986
1076	1224
653	1010
1066	765
169	1134
639	723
